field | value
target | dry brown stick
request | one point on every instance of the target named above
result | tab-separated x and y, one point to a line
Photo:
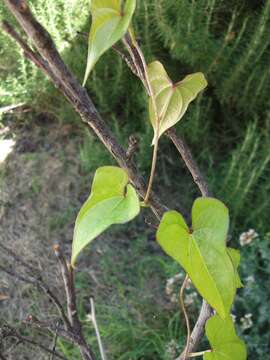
2	357
67	275
19	260
36	281
72	331
54	343
8	331
68	335
189	161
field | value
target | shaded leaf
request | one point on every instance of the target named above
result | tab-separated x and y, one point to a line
226	345
112	201
171	99
109	25
235	258
202	251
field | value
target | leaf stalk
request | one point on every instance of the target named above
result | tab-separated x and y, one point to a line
182	304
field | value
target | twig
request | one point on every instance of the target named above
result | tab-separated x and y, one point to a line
51	357
127	60
8	331
19	260
188	159
18	276
140	63
132	146
92	317
198	330
72	331
150	223
2	357
52	328
35	281
28	52
12	108
182	304
67	275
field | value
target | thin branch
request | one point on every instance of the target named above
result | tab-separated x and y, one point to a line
132	146
127	60
182	304
8	331
92	316
2	357
67	275
198	330
35	281
18	276
52	328
55	338
28	52
140	62
22	107
189	161
19	260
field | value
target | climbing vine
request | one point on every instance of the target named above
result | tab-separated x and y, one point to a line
201	248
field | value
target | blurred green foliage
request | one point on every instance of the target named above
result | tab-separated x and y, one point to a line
227	128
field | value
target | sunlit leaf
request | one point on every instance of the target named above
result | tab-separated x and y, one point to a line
226	345
202	250
112	201
235	258
172	99
110	22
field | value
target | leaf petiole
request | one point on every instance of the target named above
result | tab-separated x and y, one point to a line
152	174
191	355
182	303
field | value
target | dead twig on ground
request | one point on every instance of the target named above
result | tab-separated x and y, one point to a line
72	330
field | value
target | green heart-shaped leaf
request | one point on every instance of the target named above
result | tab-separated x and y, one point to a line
112	201
171	99
235	258
202	250
110	22
226	345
